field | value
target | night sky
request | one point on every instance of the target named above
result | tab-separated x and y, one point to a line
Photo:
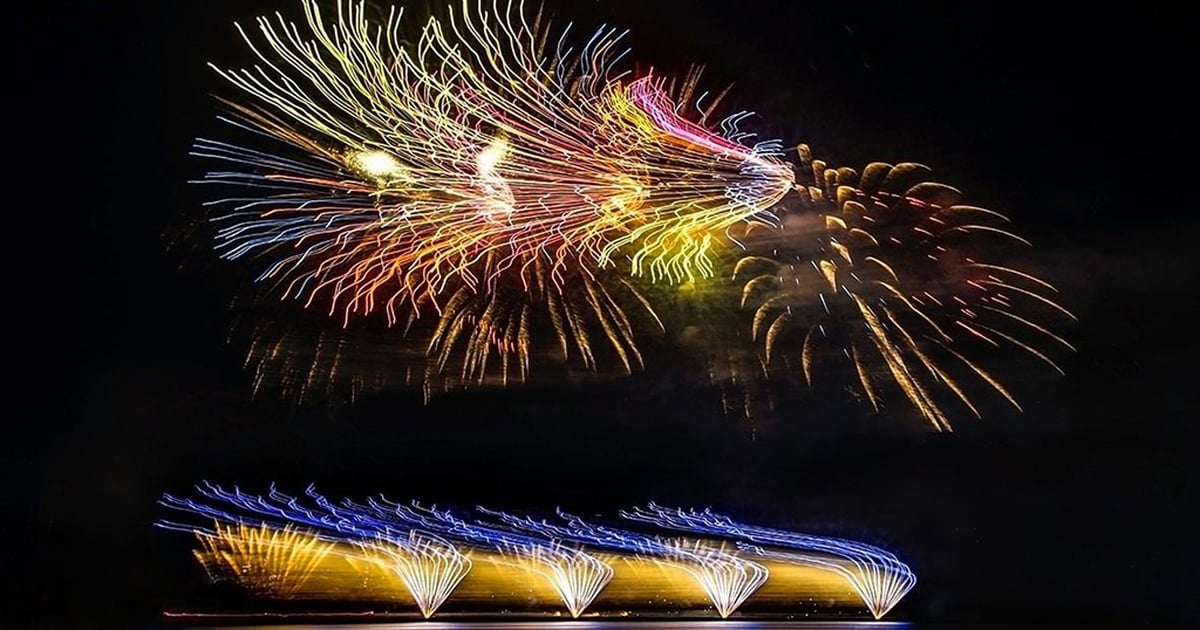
1082	508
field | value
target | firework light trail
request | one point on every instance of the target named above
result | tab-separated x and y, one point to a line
273	562
501	193
486	174
903	283
429	567
726	578
577	577
275	545
879	578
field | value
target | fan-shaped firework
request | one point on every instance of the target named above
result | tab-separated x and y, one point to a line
429	567
275	562
576	576
878	576
488	189
895	272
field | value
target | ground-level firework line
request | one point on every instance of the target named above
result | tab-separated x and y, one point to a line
576	576
275	562
275	544
880	579
726	579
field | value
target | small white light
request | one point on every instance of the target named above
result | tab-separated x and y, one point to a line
377	164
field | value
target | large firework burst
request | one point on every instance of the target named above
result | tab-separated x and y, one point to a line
485	174
896	274
497	195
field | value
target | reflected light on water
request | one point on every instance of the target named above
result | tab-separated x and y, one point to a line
689	624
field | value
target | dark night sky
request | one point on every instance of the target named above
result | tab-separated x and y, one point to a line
1059	114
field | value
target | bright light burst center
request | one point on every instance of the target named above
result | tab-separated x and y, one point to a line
377	164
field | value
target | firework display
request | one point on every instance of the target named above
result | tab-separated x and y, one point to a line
283	547
429	567
880	578
275	562
902	286
726	578
505	198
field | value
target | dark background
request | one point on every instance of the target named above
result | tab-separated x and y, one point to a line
1066	116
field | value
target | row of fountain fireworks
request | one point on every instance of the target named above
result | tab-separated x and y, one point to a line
272	544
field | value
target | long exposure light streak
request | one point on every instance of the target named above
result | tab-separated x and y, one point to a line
388	529
508	199
429	567
576	576
483	172
726	578
878	576
272	543
878	581
268	561
906	284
